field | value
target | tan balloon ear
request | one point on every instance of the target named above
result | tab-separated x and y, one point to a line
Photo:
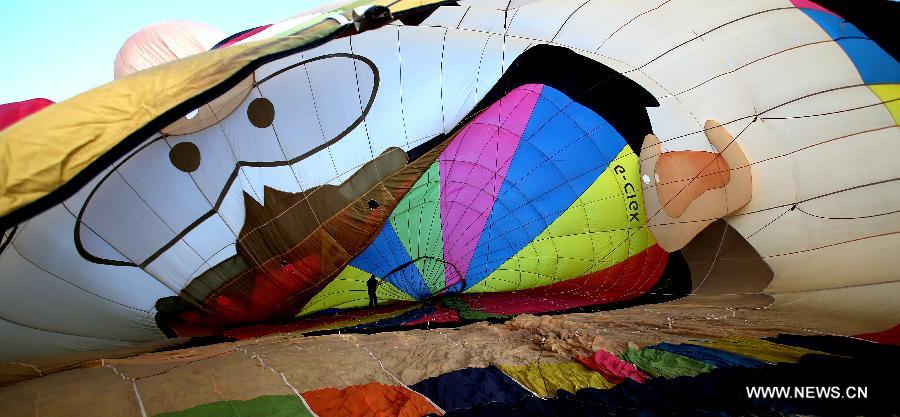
212	112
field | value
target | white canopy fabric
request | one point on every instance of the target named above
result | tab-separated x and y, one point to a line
820	134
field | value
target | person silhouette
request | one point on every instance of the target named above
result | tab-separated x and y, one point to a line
372	283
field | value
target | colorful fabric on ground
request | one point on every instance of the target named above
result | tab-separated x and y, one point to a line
369	400
713	357
659	363
416	315
438	315
723	391
568	389
466	311
614	369
264	406
469	387
889	336
546	379
758	349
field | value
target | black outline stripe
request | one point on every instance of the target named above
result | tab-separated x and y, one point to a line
9	238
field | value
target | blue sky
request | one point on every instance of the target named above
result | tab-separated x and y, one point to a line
59	48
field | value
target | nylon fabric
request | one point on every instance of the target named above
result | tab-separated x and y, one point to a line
547	379
614	369
468	387
713	357
264	406
659	363
759	349
369	400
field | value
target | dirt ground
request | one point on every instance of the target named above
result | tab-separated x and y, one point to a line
150	383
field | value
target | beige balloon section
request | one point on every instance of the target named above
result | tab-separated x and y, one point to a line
685	191
164	42
834	266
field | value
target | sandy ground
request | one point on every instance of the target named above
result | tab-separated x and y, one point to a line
151	383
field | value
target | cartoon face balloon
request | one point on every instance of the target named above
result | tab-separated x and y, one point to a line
554	156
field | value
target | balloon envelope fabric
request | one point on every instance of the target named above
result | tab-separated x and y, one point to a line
455	148
535	190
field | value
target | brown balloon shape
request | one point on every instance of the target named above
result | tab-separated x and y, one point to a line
261	112
185	156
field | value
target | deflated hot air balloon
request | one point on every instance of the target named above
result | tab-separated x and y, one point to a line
426	162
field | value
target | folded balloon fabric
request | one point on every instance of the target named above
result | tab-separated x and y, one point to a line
715	357
612	368
759	349
658	363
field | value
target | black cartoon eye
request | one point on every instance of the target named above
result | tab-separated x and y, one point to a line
185	156
261	112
